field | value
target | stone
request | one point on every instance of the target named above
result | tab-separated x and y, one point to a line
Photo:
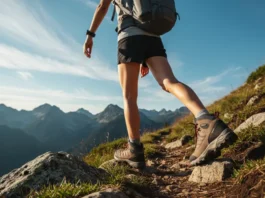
254	120
108	193
228	116
257	86
178	143
175	166
252	100
48	169
217	171
258	80
150	163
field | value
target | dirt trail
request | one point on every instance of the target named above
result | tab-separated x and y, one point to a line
169	175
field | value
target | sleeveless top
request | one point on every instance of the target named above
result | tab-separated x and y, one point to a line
130	31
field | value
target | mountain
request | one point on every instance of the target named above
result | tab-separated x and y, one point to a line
85	112
110	130
110	113
16	148
164	116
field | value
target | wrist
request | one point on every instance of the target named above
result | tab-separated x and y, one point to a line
90	33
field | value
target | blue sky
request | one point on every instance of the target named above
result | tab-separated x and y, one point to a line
213	48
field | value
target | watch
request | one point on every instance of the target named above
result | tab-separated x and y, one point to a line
92	34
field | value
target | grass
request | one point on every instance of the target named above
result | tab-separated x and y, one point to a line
260	72
250	167
234	104
66	190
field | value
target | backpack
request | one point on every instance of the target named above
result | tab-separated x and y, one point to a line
154	16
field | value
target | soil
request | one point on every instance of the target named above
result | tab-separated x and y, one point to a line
167	182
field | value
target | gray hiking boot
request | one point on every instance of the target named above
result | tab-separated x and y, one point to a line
212	135
133	155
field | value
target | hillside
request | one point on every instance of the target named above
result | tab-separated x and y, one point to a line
16	148
168	173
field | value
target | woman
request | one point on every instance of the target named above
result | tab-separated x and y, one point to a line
138	49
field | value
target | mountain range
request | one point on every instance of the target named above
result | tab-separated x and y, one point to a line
26	134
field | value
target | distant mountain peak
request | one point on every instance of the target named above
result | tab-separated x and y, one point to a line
109	113
112	107
85	112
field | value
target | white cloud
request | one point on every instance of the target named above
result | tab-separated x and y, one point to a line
25	75
29	98
209	84
57	52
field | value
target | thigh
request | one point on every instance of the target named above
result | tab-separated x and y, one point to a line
161	69
132	49
128	76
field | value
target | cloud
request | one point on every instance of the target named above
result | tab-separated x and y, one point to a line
28	98
208	84
51	49
25	75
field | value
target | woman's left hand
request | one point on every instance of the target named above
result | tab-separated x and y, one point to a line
144	71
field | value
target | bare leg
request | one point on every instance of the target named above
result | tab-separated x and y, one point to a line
162	72
128	75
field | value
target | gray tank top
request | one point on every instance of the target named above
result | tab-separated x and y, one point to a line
131	31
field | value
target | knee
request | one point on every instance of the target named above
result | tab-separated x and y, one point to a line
167	84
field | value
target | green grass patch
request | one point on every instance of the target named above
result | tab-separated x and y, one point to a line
65	190
260	72
104	152
250	167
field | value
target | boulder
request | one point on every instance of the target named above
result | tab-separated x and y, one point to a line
254	120
179	143
252	100
48	169
217	171
108	193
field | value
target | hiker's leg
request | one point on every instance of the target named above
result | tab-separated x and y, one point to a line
213	133
128	76
162	72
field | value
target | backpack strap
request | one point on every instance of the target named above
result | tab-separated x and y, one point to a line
114	11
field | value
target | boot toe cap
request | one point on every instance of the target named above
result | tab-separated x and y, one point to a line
192	158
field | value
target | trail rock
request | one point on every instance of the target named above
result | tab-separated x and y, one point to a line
108	193
179	143
217	171
46	169
252	100
257	86
175	166
255	120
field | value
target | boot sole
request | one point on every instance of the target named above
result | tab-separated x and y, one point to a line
138	165
213	150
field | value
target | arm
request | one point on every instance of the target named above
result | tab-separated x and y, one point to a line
99	15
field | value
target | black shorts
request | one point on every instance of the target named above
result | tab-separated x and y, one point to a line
139	48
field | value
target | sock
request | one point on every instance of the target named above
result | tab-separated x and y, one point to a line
201	113
135	141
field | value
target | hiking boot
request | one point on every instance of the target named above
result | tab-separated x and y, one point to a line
212	135
133	155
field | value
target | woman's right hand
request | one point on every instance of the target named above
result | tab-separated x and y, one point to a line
88	45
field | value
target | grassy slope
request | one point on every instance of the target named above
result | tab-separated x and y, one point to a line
234	103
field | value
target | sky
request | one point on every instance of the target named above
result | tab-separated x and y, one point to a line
213	48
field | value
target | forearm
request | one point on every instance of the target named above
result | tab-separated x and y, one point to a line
99	15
